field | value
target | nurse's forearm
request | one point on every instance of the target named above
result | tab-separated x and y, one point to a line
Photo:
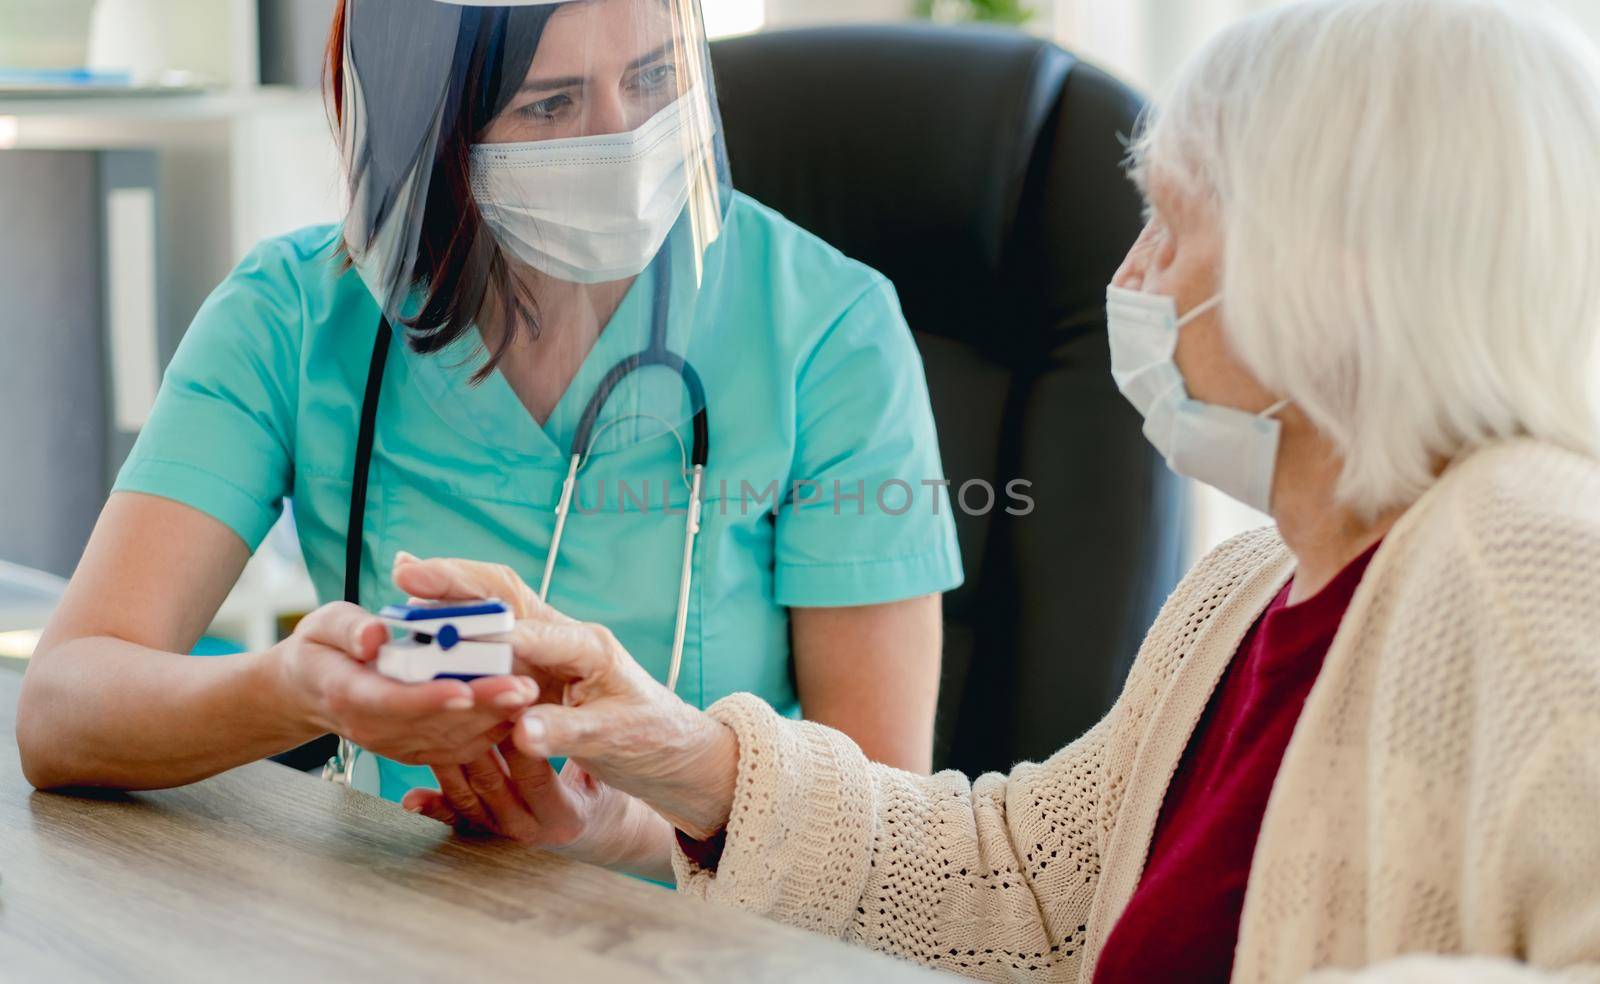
104	712
872	672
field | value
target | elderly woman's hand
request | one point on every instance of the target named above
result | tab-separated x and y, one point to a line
603	710
522	798
600	708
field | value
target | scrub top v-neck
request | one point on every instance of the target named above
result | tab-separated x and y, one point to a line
811	376
490	413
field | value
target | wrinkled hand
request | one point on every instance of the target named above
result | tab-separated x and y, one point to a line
601	708
325	668
596	705
520	797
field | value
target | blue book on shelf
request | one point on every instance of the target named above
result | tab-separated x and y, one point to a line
63	78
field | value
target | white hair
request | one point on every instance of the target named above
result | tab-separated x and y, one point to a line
1408	194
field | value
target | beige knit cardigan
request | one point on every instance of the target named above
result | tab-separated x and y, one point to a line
1436	816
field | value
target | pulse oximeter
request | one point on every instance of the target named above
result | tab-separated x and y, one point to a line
446	641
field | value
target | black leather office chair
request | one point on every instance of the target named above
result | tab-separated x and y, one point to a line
980	170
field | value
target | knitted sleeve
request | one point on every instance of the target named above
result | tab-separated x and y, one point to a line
990	879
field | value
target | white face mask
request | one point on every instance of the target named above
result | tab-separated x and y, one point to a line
590	209
1231	450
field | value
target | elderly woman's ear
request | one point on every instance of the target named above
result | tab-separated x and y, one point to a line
1142	256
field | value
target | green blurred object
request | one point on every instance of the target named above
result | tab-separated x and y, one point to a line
993	11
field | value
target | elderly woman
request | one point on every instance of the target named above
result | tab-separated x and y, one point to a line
1366	742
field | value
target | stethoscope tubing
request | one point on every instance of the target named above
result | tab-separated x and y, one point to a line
656	354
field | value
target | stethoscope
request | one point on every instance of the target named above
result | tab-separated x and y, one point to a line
654	354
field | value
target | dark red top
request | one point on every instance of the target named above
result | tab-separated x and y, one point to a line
1183	921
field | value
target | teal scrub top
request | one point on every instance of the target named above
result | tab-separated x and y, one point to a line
823	487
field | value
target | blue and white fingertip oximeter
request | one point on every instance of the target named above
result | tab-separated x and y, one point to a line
445	641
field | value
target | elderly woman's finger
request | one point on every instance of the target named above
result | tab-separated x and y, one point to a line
569	650
508	815
553	730
448	579
431	804
462	798
548	797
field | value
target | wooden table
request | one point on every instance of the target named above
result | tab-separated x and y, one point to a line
266	873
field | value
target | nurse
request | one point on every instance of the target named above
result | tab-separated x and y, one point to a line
545	298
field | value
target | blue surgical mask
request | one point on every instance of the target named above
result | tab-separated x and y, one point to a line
1230	450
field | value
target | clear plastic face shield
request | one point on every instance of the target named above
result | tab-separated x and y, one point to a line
527	145
549	175
542	171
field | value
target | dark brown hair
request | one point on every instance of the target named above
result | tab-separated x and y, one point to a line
457	260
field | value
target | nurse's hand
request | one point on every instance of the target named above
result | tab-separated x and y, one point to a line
509	794
597	706
328	683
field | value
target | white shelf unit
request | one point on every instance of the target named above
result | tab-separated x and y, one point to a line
239	162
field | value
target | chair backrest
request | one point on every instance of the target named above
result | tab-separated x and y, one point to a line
981	171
